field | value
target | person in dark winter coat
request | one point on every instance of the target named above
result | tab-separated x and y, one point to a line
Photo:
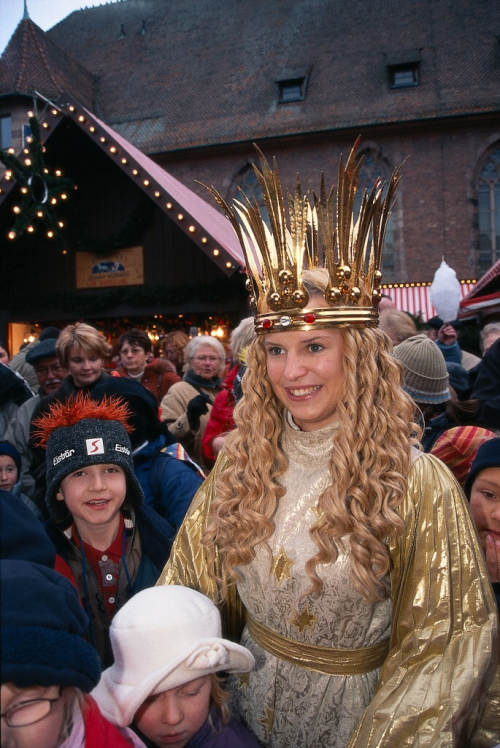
171	694
109	544
157	375
169	483
22	535
47	667
486	387
43	361
14	391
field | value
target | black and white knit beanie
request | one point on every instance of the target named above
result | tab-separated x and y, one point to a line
82	432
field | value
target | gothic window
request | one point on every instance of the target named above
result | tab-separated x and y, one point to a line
246	181
372	168
488	204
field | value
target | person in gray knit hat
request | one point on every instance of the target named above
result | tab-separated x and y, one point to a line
426	381
110	545
426	377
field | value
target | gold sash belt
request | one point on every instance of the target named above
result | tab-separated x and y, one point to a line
322	659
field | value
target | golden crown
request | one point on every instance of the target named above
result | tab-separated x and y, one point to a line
350	250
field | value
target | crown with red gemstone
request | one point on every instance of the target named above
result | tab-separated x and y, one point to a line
324	234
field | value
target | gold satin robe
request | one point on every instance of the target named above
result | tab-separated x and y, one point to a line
441	618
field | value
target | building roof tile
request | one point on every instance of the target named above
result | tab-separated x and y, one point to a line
32	61
186	73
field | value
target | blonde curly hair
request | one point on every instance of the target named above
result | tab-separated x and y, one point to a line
369	464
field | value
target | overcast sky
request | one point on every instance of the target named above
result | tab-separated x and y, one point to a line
45	13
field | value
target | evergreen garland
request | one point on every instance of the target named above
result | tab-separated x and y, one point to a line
39	188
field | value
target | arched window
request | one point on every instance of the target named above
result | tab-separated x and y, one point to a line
246	180
488	206
374	167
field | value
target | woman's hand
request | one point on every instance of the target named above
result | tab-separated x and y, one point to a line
196	408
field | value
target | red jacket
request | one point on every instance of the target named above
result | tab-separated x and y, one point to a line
158	377
99	733
221	416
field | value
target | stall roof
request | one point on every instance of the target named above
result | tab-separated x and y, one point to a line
484	298
490	278
205	225
415	297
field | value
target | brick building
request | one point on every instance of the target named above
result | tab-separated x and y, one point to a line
193	84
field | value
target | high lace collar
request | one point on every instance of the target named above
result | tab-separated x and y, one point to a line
307	446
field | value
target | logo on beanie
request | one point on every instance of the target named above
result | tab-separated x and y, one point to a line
121	448
63	456
95	446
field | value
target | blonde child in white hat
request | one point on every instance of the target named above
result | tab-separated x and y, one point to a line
168	648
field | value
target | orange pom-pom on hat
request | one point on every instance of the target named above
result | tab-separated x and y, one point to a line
77	408
82	432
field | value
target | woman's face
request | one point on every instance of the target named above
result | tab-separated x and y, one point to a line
26	704
172	718
305	368
134	358
4	356
85	368
205	362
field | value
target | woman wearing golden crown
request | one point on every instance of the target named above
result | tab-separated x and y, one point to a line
340	555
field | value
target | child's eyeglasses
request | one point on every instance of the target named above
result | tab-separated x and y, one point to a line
28	712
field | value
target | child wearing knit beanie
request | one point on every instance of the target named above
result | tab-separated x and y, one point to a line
482	488
47	667
10	472
168	648
108	544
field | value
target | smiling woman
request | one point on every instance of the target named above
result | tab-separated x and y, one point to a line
322	518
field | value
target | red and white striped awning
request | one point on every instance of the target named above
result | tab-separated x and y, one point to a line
415	297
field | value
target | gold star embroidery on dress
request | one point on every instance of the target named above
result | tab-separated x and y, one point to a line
303	620
281	565
267	720
243	680
318	512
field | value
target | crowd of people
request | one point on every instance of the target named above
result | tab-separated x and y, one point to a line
291	542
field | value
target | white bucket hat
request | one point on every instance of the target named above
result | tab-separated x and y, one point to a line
164	636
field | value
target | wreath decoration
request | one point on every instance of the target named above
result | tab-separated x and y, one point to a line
40	189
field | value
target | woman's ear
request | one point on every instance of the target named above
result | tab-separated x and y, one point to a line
59	495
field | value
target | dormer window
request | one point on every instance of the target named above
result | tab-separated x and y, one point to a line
292	85
403	68
292	90
404	76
